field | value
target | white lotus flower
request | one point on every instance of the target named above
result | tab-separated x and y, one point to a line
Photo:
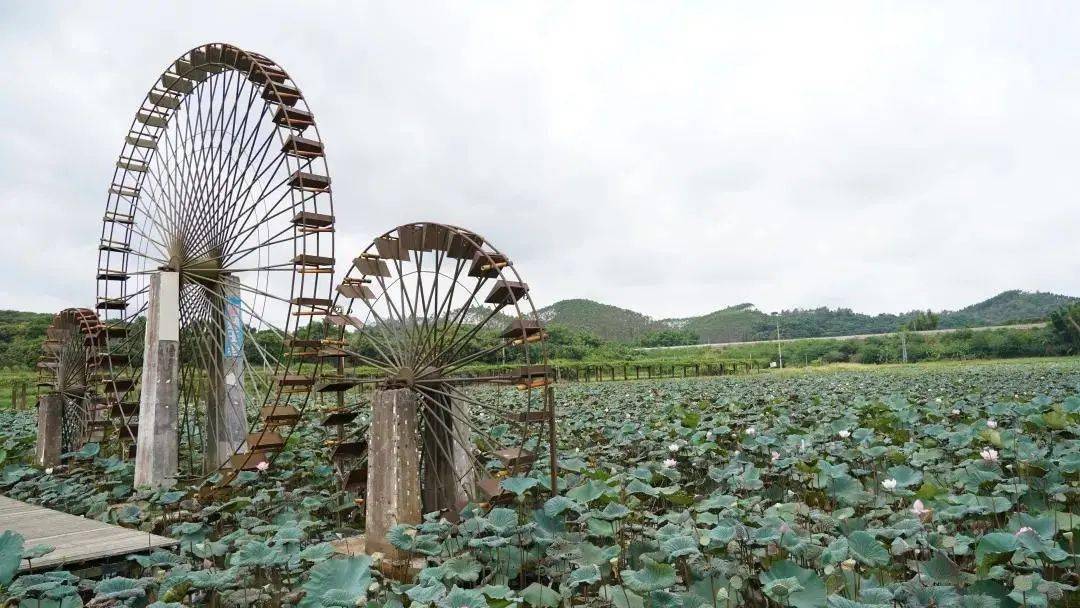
673	447
956	411
775	456
670	463
844	434
889	484
263	466
1025	530
48	471
989	455
751	431
991	423
709	436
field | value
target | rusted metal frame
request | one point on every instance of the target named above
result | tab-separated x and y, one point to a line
239	128
203	206
426	299
453	365
254	152
392	308
476	464
394	357
445	306
454	347
458	320
260	388
241	225
485	406
190	210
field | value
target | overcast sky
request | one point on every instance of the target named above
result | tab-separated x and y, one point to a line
673	159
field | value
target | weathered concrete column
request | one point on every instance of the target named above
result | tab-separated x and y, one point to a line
393	490
156	455
50	421
226	417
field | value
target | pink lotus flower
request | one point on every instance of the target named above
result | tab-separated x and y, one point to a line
989	455
263	466
775	456
991	423
1024	530
920	510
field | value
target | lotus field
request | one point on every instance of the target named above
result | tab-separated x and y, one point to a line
918	486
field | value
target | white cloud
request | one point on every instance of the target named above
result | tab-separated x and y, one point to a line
669	158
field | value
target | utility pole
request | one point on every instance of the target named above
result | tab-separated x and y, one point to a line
779	350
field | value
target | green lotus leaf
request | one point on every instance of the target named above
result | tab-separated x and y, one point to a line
621	597
427	594
904	475
337	582
518	485
867	550
790	585
11	549
257	554
317	553
119	588
464	598
157	559
652	576
541	596
463	568
585	575
588	492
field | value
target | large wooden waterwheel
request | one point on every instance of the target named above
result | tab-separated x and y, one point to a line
444	389
218	234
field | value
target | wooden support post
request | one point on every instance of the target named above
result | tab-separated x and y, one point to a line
49	430
156	456
393	489
226	418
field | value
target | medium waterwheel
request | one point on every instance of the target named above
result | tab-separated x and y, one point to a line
450	391
68	360
216	251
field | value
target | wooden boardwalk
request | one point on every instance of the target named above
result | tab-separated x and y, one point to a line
75	539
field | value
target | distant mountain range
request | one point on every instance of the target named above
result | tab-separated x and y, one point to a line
744	322
21	333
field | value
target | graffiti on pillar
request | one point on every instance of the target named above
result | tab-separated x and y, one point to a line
234	328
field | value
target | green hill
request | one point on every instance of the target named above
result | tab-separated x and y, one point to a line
21	335
1012	306
745	323
601	320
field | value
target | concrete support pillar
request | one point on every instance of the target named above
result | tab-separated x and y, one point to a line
393	490
448	464
226	416
156	456
49	429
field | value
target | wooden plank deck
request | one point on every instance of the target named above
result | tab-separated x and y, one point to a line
75	539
